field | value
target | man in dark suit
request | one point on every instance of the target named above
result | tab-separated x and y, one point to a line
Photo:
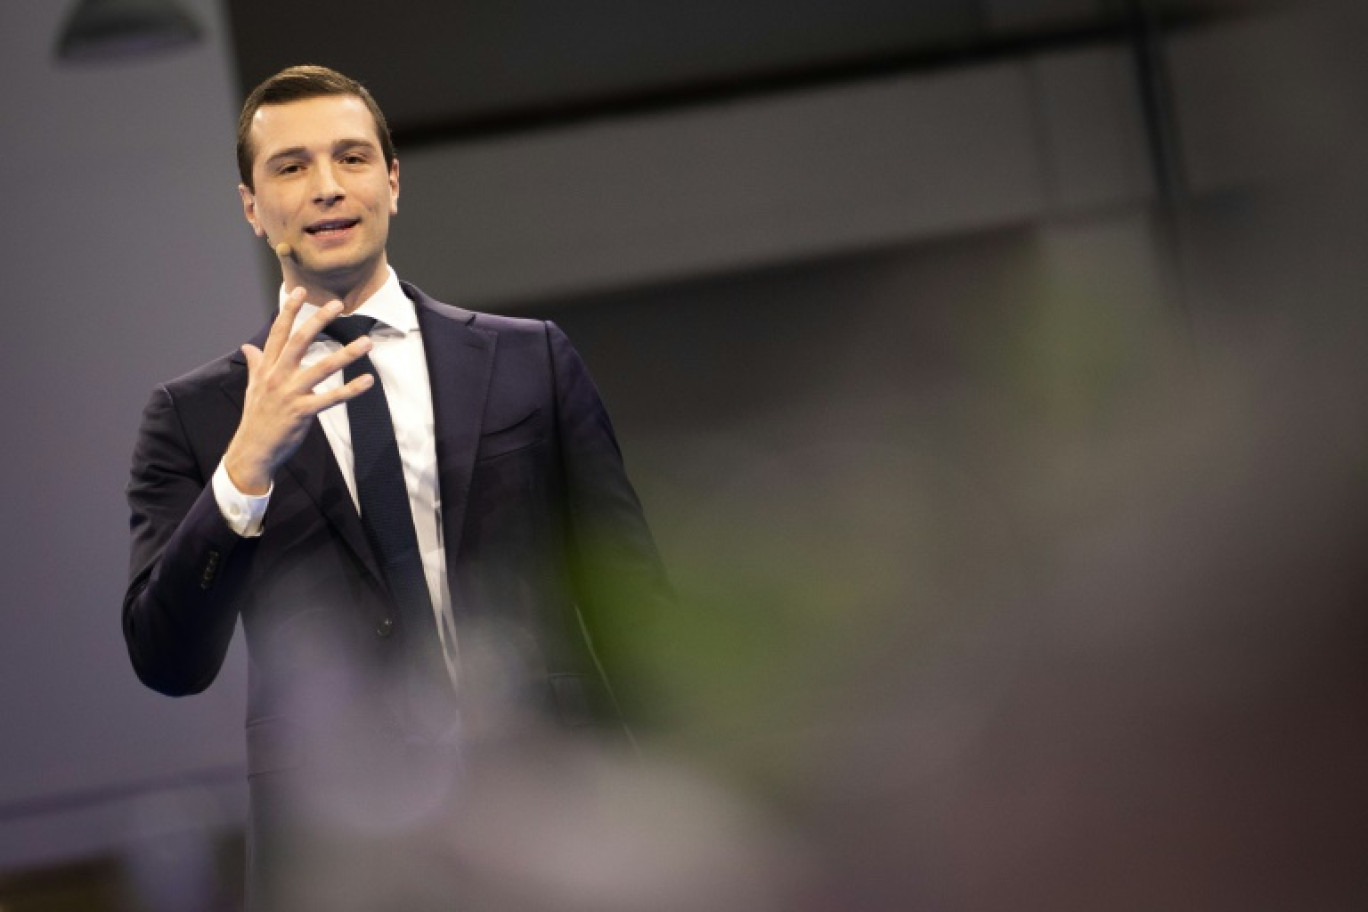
524	562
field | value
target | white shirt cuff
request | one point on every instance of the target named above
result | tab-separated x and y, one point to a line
244	513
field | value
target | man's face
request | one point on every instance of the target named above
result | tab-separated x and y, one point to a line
321	186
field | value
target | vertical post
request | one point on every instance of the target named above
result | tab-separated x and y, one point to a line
1146	37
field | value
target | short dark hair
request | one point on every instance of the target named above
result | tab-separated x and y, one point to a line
297	83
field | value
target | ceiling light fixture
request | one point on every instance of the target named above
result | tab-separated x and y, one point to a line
120	29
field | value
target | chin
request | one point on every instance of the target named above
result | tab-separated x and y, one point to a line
339	275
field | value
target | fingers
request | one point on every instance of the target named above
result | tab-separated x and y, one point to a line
330	364
278	363
280	400
349	390
253	356
283	323
298	342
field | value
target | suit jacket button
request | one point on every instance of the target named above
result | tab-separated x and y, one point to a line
385	628
210	570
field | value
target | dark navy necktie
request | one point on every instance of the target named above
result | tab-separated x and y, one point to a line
385	511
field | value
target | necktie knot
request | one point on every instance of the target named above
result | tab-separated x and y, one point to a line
348	329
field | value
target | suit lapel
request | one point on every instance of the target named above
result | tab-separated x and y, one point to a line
460	361
313	467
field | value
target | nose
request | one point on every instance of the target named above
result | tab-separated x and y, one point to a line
327	189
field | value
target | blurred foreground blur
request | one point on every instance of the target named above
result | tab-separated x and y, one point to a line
1076	625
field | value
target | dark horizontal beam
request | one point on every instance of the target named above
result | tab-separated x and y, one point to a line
661	99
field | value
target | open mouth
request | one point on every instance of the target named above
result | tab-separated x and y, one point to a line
331	227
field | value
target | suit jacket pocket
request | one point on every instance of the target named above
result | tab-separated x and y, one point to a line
522	433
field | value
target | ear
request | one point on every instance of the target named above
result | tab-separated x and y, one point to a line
394	186
249	209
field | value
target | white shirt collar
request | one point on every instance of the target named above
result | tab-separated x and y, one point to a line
389	305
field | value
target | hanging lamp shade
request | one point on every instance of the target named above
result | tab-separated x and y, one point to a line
118	29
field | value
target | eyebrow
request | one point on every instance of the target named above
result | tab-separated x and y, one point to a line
339	146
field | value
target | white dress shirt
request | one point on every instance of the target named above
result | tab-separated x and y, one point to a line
397	353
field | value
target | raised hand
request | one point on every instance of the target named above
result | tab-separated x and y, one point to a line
280	400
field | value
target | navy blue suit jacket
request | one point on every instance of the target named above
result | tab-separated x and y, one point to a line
543	534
